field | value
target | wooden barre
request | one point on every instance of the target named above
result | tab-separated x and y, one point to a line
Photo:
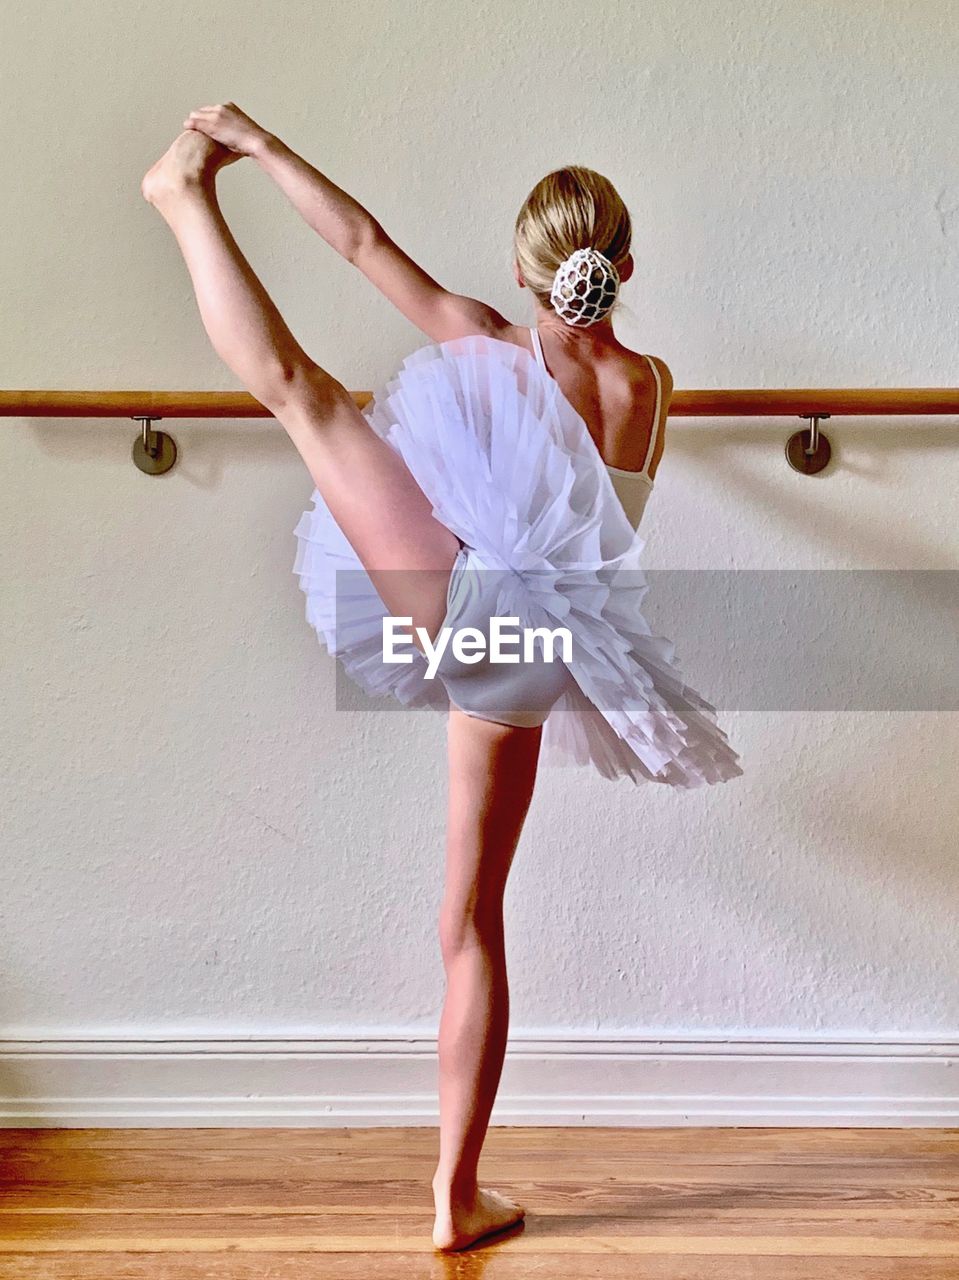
823	401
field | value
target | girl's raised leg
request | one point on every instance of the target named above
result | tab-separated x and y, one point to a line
368	488
492	771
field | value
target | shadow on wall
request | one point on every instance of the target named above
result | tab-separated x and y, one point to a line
866	449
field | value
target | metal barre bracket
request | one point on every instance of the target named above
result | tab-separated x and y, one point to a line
809	451
154	452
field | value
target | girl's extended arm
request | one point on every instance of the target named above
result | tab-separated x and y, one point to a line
351	230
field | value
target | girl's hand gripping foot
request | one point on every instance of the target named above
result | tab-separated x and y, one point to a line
227	124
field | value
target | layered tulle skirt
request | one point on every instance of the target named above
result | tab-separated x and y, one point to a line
510	468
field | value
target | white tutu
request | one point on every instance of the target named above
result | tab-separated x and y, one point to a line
509	467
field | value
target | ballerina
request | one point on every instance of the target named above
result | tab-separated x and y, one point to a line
481	489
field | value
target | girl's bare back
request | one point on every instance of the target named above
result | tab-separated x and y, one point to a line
612	389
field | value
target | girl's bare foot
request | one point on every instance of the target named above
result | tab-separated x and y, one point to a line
191	161
458	1225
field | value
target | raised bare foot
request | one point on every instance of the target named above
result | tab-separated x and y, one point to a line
459	1225
191	160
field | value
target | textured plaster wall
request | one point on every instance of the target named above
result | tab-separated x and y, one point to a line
194	837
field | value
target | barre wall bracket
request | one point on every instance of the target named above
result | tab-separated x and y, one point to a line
809	451
154	452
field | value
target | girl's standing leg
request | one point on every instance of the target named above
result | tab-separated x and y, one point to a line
492	771
389	522
368	488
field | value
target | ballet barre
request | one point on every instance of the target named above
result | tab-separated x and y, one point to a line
808	450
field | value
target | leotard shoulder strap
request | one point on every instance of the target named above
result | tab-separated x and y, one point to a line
537	348
654	434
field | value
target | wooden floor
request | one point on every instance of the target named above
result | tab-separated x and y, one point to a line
682	1204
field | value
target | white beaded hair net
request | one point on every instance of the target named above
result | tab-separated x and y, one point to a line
584	287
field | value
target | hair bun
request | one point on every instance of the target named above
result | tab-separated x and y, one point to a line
584	287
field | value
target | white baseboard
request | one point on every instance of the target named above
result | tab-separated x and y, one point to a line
391	1080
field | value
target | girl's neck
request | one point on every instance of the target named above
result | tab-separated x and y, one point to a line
572	336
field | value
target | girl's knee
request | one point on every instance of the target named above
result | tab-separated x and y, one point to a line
470	926
303	388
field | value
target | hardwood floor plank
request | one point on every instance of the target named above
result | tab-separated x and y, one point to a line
657	1204
488	1265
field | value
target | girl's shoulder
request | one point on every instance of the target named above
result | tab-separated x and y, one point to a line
639	363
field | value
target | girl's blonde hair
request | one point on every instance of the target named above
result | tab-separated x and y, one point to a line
567	210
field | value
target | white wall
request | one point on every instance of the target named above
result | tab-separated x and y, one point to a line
196	841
